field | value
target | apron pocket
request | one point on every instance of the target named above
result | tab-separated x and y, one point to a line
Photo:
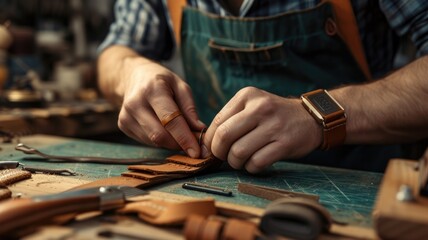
247	53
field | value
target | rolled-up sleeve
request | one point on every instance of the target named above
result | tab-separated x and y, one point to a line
142	26
409	17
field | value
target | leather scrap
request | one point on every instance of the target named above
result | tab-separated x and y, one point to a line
161	212
5	193
10	176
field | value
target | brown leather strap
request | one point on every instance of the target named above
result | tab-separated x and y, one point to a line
175	8
348	29
239	230
272	193
161	212
334	134
9	176
212	228
142	176
5	193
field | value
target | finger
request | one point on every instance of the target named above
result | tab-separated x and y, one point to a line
264	157
242	150
229	132
229	110
187	105
146	128
125	123
162	102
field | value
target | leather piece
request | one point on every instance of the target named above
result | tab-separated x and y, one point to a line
239	230
193	226
334	133
142	176
5	193
160	212
10	176
211	228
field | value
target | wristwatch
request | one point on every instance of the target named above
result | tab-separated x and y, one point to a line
329	113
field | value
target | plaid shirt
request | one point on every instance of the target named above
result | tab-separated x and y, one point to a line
143	25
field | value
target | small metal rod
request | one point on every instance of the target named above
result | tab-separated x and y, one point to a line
207	189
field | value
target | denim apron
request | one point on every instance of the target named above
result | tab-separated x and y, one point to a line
287	55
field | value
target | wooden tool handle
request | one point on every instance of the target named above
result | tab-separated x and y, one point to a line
16	214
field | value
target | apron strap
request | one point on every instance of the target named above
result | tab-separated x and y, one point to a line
348	29
346	23
175	9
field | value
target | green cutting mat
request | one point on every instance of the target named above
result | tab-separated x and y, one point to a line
349	195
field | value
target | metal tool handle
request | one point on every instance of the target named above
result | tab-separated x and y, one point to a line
90	159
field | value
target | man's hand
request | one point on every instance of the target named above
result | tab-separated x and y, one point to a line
256	129
151	93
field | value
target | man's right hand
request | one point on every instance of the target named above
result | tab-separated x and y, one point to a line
151	93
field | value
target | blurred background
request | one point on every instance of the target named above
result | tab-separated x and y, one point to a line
48	52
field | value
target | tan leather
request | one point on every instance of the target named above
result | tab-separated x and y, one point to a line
161	212
272	193
5	193
175	9
334	133
211	228
348	30
9	176
142	176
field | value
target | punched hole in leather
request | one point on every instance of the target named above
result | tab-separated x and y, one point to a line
296	219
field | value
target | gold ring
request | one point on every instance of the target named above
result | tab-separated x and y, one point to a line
170	117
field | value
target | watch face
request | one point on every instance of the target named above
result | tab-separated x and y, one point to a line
324	103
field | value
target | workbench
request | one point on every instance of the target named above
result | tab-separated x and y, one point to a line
348	195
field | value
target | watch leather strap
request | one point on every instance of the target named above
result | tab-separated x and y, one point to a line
334	133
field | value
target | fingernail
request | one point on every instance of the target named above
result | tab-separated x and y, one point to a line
204	151
192	153
200	122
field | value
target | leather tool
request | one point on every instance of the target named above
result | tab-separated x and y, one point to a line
55	171
295	218
17	214
89	159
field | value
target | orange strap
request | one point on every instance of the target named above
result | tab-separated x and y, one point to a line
175	8
345	20
348	29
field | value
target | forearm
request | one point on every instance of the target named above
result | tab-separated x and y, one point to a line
112	71
390	110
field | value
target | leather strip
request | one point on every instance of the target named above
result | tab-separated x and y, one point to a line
160	212
199	227
5	193
142	176
272	193
239	229
334	134
10	176
348	29
193	227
